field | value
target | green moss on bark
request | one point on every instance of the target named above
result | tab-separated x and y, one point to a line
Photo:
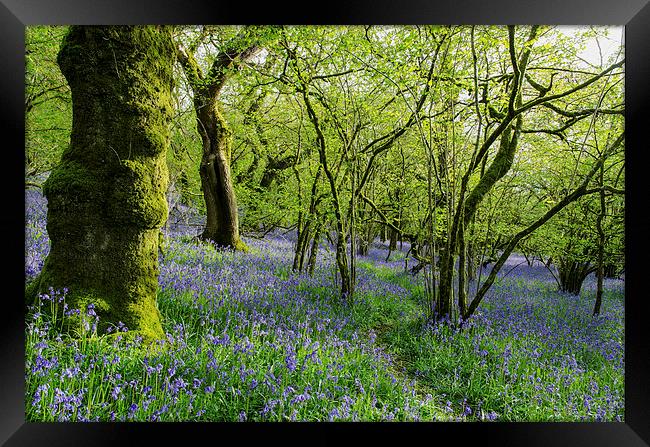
135	198
106	200
241	246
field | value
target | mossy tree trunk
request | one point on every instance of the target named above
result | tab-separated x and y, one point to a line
106	199
347	288
468	199
510	245
363	244
222	226
393	235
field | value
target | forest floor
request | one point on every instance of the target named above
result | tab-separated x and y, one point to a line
248	339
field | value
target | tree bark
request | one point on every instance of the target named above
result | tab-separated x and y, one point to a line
611	271
468	204
363	244
341	252
106	199
572	274
222	224
306	225
313	254
600	265
394	235
514	240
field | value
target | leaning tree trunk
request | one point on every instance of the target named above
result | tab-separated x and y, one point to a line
106	199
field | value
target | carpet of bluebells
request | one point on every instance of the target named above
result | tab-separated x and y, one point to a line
250	340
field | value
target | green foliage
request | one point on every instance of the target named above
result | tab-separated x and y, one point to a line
106	199
363	85
517	378
48	107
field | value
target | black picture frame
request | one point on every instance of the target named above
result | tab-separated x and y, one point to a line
633	14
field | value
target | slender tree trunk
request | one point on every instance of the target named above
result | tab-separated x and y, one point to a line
600	266
299	224
341	252
462	270
445	294
106	199
468	200
365	233
342	263
306	236
313	254
296	254
302	249
353	227
514	240
306	224
471	259
301	246
430	275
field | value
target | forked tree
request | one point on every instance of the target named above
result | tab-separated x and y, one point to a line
222	225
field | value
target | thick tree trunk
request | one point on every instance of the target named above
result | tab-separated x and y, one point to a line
392	245
106	199
363	245
222	225
572	274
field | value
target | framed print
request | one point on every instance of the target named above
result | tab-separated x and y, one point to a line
380	221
